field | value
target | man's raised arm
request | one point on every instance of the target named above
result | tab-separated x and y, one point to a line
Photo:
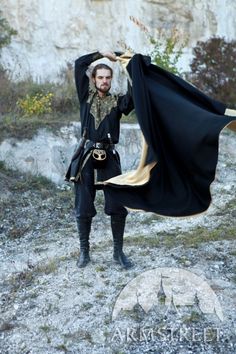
81	66
81	78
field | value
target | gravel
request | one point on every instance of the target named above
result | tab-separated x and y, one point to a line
49	306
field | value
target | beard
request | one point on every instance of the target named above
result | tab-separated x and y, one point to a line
103	88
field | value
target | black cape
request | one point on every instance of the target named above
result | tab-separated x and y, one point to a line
181	126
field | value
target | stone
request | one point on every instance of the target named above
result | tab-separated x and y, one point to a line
52	34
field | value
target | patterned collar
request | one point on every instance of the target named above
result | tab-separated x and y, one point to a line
100	107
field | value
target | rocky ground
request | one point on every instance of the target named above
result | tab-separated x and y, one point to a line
49	306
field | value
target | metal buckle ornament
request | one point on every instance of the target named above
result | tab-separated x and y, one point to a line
99	154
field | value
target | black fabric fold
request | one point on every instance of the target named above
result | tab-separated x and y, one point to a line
181	126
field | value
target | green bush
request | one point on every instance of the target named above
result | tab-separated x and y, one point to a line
6	90
166	47
35	105
27	97
6	32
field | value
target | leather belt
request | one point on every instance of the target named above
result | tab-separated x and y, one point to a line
101	146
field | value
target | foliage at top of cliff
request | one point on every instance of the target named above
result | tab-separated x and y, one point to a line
166	47
6	32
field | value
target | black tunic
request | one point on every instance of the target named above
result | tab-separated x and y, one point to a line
111	121
113	106
99	116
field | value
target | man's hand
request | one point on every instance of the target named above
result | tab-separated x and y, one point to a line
109	55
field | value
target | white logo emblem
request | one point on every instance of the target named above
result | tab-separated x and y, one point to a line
168	289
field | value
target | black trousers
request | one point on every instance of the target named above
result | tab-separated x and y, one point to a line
85	190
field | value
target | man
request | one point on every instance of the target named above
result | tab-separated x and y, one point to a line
100	114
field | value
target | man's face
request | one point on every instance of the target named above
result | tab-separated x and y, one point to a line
102	80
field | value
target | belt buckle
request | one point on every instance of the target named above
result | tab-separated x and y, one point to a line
99	154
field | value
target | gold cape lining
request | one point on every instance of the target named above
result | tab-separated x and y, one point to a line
232	113
137	177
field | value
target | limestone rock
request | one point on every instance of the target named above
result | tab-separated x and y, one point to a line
52	33
49	155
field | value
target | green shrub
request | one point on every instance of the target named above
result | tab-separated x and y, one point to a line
6	32
35	104
28	97
166	47
165	53
6	92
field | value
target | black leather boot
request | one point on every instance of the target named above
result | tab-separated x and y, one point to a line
118	227
84	227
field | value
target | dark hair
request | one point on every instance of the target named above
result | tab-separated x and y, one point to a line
101	66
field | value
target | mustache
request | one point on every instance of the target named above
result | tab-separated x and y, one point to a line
99	88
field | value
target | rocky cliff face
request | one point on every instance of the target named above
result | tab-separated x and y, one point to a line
52	33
